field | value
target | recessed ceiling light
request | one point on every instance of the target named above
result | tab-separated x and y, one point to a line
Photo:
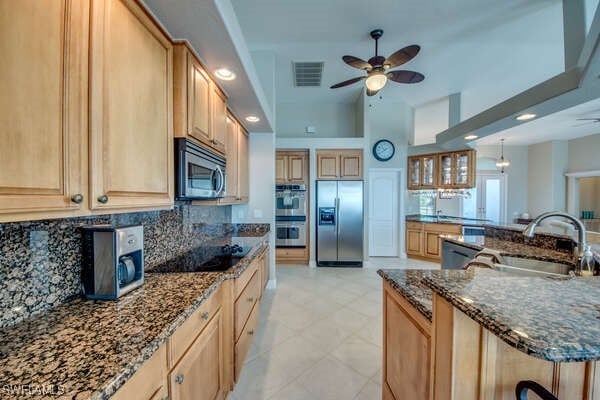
252	118
525	117
471	137
225	74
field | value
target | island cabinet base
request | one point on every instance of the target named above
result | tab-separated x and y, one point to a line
471	363
406	370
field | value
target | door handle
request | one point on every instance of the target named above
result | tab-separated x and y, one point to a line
221	180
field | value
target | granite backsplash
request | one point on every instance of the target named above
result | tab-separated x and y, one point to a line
40	261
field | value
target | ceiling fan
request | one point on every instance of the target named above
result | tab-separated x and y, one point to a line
377	67
590	121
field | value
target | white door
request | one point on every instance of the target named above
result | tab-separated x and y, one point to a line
383	213
491	197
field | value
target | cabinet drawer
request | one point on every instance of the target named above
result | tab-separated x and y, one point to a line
414	225
149	382
243	343
291	253
185	335
245	303
444	228
241	282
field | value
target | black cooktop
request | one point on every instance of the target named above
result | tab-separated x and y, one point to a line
204	259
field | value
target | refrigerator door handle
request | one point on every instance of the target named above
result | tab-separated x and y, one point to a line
337	226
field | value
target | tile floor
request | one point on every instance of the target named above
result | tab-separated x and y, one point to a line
319	336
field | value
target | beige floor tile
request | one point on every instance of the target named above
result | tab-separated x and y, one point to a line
371	391
377	377
366	307
267	336
330	379
372	331
293	391
258	380
349	319
326	334
360	355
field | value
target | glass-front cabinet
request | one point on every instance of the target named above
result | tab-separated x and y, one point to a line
422	172
450	170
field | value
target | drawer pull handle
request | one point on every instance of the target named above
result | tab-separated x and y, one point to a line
204	315
250	332
103	199
77	198
250	299
179	379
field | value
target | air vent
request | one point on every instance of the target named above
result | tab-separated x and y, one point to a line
307	73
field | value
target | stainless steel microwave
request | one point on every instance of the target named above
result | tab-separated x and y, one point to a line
199	172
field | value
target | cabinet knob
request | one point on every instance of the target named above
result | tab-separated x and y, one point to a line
250	332
179	379
103	199
250	299
204	315
77	198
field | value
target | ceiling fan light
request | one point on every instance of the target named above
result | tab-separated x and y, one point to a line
376	81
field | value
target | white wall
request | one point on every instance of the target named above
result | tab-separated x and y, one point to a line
430	119
329	119
261	207
584	154
548	163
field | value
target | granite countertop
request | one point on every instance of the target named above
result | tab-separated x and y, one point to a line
510	248
89	349
555	320
409	283
446	219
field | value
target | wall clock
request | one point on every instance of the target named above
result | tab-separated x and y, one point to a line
383	150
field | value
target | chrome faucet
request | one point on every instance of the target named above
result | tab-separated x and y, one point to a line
581	240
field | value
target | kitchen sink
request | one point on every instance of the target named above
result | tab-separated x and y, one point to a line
529	267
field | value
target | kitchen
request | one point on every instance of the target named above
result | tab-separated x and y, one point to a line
208	303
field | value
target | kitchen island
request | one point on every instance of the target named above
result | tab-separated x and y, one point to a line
456	334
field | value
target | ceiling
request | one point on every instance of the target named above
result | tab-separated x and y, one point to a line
562	125
487	49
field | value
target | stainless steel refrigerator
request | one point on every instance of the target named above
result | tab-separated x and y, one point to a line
339	223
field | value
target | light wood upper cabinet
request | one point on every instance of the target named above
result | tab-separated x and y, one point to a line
340	164
450	170
236	146
131	144
43	107
199	373
291	167
198	101
199	106
423	172
218	119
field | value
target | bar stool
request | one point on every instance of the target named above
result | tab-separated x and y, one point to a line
524	386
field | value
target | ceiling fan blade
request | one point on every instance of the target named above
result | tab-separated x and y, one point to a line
372	92
357	63
589	119
402	56
403	76
346	83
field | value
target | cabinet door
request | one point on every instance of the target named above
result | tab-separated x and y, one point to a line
231	148
407	350
131	145
414	173
218	119
198	101
464	173
428	179
199	374
414	242
351	165
243	165
446	170
149	382
43	105
296	168
433	245
281	166
327	166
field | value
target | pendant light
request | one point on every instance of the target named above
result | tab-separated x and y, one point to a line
501	162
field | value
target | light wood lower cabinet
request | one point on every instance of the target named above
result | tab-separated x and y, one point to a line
199	373
406	349
292	255
423	239
149	382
